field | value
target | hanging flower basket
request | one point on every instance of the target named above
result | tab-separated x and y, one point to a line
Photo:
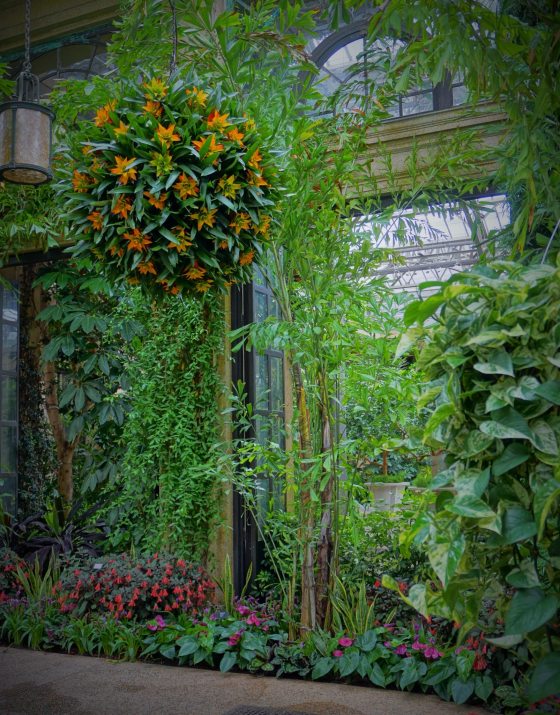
170	190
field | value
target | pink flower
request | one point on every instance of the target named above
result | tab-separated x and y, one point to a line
432	653
337	653
419	646
151	626
243	610
160	621
253	620
401	649
345	642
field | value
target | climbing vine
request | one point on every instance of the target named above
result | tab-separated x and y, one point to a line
168	484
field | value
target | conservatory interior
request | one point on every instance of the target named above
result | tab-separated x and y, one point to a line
280	348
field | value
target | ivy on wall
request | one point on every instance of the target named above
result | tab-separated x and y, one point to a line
167	487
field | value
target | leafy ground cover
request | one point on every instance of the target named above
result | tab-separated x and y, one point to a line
162	609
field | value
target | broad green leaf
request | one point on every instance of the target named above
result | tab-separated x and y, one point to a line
518	525
528	610
545	496
507	423
506	641
470	506
322	667
227	662
472	482
475	443
550	391
465	660
545	680
408	340
499	364
348	664
367	641
168	651
439	415
512	456
544	437
445	557
420	310
483	687
460	691
377	676
428	396
188	645
523	576
412	672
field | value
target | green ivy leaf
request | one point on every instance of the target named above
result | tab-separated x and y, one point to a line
528	610
545	680
518	525
549	391
498	364
470	506
512	456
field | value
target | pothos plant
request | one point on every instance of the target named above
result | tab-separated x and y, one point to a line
492	359
168	188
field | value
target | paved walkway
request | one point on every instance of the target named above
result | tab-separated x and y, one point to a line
36	683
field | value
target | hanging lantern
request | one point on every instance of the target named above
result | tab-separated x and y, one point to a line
26	127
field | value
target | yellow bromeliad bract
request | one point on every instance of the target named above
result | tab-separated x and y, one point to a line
170	189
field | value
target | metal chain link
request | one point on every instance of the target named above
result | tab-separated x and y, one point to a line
27	61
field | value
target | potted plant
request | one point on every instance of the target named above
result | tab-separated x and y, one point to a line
387	490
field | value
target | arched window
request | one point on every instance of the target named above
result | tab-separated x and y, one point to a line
345	59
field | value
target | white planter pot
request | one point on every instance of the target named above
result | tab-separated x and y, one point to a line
387	495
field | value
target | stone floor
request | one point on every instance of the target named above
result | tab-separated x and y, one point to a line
38	683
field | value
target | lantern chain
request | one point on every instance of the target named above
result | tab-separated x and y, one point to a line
27	61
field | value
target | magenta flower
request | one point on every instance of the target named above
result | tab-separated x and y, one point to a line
151	626
432	653
401	649
253	620
243	610
419	646
160	621
345	642
337	653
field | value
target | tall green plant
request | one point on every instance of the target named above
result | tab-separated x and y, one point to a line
167	484
493	364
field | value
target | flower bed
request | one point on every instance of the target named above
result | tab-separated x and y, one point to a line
169	188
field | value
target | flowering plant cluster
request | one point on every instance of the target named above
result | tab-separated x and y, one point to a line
169	189
135	588
10	586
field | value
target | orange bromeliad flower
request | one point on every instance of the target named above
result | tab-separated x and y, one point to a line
218	121
255	159
240	222
166	135
137	241
184	242
159	203
122	129
228	187
204	217
122	207
117	251
246	258
81	182
196	96
264	225
96	220
203	286
223	245
256	179
186	186
145	268
155	88
102	116
152	107
235	135
123	169
213	148
194	272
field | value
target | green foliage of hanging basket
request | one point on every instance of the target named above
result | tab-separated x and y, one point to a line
169	189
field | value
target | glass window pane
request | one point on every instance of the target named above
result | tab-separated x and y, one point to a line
460	94
8	447
9	347
261	382
273	307
8	494
8	392
417	103
277	384
9	305
258	276
261	307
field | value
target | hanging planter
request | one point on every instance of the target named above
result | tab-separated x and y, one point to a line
170	190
